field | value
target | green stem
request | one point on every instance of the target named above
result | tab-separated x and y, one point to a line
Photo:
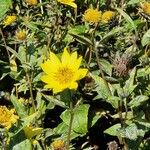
70	125
1	32
29	79
31	92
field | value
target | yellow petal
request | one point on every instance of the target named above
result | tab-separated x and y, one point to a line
48	67
72	4
73	85
73	57
65	57
77	63
46	79
54	59
81	73
57	90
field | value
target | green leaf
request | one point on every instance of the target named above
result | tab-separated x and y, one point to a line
65	97
106	66
142	72
146	38
80	120
113	130
31	25
80	29
131	2
55	101
26	144
82	39
131	132
137	101
19	107
127	18
62	129
111	33
102	87
5	5
114	101
129	85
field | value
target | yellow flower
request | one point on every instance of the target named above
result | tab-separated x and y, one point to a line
31	131
107	16
68	2
92	15
58	144
146	8
7	117
21	35
9	20
31	2
62	74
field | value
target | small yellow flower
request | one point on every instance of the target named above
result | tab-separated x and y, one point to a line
58	144
107	16
31	131
68	2
63	74
32	2
9	20
92	15
146	8
21	35
7	117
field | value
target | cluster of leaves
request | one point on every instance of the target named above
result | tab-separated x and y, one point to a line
112	101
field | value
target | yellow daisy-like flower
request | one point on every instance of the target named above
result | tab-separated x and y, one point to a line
63	74
7	117
32	2
58	144
21	35
107	16
9	20
68	2
30	131
92	15
146	8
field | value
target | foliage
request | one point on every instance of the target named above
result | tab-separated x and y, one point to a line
102	108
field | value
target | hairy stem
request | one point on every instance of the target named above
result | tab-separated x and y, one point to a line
70	125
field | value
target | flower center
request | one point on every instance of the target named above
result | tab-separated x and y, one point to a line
4	115
64	75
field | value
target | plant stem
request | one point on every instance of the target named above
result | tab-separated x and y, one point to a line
31	92
70	125
1	32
